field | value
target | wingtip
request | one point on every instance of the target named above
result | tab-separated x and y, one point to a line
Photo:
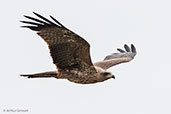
127	48
133	49
132	45
22	26
25	16
121	50
35	13
23	75
21	21
125	45
57	22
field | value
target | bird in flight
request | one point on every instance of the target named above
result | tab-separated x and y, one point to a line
71	53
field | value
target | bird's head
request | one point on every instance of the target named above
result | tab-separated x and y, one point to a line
106	75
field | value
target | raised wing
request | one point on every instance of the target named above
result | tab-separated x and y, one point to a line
128	52
68	50
116	58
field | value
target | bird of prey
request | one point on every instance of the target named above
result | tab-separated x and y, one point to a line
71	53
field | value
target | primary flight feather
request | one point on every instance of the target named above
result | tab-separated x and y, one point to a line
71	53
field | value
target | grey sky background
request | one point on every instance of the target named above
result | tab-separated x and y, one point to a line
142	86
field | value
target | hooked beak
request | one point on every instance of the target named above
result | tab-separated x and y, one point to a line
113	76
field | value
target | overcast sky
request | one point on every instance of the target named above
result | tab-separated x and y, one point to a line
142	86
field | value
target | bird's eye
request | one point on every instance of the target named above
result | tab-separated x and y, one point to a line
106	73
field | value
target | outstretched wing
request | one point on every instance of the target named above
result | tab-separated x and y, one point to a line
116	58
68	50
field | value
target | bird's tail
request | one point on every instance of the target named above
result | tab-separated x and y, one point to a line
41	75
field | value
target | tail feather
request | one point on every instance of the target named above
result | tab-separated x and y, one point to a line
41	75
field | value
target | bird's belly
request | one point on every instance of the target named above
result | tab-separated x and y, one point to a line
82	79
79	77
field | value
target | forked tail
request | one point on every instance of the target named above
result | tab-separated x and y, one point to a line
41	75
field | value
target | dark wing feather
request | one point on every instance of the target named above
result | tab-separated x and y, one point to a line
68	50
133	49
37	20
33	23
121	50
127	48
58	22
46	20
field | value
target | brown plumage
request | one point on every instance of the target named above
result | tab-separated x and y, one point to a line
71	53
